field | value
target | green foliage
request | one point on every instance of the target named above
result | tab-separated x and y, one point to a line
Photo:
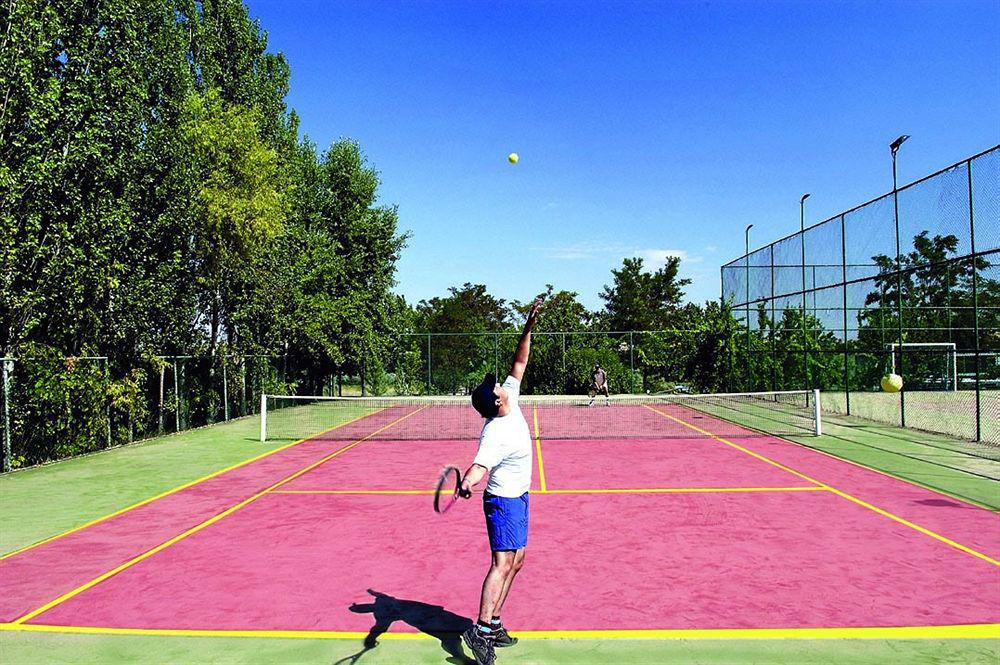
551	370
710	365
580	361
240	200
459	362
937	301
128	405
58	406
642	300
410	374
155	198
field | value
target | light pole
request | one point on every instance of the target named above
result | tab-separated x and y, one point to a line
746	244
802	242
894	148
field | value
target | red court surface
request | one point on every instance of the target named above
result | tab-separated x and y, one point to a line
651	463
729	532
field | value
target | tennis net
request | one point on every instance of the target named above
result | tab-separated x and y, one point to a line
741	415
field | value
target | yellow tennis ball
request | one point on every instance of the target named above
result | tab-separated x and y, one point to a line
892	383
512	158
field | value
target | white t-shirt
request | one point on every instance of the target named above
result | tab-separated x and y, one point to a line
505	448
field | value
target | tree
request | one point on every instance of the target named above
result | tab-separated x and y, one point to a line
647	301
561	328
368	245
458	362
936	297
642	300
710	364
155	198
239	204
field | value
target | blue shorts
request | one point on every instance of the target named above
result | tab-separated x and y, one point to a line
506	521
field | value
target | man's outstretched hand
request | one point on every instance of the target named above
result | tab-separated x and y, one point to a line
533	312
524	345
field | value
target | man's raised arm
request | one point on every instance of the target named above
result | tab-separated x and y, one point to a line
524	346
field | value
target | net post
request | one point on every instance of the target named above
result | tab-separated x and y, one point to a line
817	417
263	418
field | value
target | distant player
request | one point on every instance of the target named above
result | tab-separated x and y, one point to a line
599	385
505	453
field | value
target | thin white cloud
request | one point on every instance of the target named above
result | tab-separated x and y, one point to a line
654	257
660	256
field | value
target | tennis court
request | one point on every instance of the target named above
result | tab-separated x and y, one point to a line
688	522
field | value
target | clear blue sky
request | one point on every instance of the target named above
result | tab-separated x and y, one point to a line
643	128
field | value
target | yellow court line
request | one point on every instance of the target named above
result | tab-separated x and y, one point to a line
692	490
915	483
909	481
181	487
198	527
353	492
840	493
962	631
538	454
637	490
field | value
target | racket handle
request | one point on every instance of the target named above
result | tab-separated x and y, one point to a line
464	493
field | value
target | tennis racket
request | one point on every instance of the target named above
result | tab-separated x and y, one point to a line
448	490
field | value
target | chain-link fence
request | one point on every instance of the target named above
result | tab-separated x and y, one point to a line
562	362
908	283
53	407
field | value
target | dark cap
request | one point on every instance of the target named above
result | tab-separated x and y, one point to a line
483	398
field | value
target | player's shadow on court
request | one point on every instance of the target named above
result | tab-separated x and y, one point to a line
432	620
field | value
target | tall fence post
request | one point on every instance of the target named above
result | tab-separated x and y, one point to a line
364	372
899	295
565	377
817	413
107	400
631	362
771	335
843	287
6	369
975	312
263	417
807	372
159	417
243	386
747	363
225	390
429	389
177	399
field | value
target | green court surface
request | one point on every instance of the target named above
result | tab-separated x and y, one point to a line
59	648
963	469
40	503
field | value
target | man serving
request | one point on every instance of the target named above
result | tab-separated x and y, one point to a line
505	453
